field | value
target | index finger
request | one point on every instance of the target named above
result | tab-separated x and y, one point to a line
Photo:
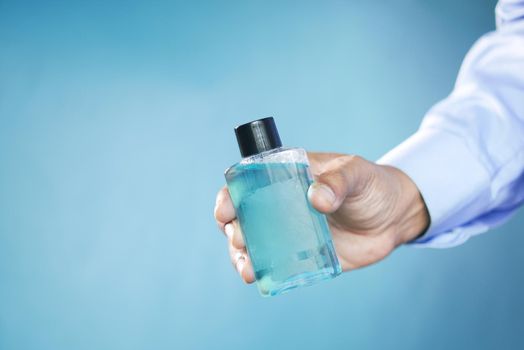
317	161
224	209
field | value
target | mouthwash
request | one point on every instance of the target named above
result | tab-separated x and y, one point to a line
288	241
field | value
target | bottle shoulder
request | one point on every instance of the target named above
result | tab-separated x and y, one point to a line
277	155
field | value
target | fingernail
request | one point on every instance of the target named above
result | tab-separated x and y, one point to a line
322	192
229	229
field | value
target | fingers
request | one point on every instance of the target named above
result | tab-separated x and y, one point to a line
226	219
224	209
240	258
340	177
234	234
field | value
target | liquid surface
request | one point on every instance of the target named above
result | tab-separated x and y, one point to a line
288	241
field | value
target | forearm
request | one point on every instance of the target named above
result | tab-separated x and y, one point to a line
467	157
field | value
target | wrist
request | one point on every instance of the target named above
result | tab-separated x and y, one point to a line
412	218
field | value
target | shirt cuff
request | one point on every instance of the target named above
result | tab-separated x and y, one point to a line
453	183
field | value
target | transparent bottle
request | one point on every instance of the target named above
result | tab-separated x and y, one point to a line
287	240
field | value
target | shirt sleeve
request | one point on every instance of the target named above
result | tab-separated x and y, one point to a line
467	158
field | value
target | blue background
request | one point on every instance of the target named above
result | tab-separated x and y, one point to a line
116	123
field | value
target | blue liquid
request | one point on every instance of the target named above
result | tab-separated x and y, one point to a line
288	241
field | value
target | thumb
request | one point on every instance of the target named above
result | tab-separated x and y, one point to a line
342	176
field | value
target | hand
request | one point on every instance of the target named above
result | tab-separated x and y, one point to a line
371	210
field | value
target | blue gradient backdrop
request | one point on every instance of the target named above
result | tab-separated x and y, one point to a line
116	125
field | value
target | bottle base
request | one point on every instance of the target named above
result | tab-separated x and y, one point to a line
268	288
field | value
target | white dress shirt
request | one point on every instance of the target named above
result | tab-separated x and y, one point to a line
467	158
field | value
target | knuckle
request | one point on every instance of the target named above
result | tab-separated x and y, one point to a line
216	215
218	201
223	193
219	195
351	159
223	211
237	241
339	164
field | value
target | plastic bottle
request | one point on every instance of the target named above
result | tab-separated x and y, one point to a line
287	240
